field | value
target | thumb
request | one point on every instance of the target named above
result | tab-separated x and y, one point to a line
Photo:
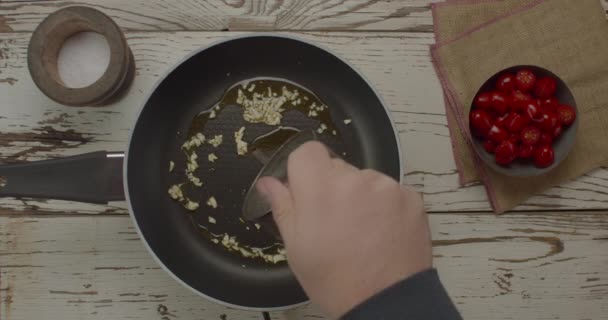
279	198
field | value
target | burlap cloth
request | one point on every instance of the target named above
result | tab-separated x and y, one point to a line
477	38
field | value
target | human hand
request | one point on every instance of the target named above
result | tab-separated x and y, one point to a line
349	233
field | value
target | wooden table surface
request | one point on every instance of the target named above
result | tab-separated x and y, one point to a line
68	260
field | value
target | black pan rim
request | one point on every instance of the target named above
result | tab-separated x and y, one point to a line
155	87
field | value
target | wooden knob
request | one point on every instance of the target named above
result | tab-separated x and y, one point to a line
47	40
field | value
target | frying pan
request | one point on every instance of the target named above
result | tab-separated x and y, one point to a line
173	235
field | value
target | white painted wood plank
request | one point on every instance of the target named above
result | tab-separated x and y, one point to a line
534	266
180	15
32	127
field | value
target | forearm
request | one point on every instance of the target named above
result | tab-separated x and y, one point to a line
421	296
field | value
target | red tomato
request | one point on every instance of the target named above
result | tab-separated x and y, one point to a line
501	121
546	139
530	135
489	146
499	102
506	83
545	87
557	131
498	134
505	153
482	100
549	104
531	109
543	156
517	99
514	138
515	122
481	121
525	80
566	114
526	151
548	121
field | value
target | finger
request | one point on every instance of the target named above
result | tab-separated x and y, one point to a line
307	168
342	165
279	198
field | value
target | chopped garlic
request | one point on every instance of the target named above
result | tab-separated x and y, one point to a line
217	108
214	240
334	132
312	113
194	179
175	192
212	220
191	205
251	88
195	140
212	202
241	146
171	166
322	128
258	226
347	121
241	220
212	157
216	141
212	114
191	163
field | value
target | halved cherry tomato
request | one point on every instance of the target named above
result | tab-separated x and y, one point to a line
566	114
481	121
526	151
557	131
482	100
549	104
506	83
489	146
548	121
498	134
543	156
516	100
530	135
531	109
505	153
499	102
525	80
545	87
546	139
515	123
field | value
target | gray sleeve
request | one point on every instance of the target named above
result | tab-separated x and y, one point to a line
419	297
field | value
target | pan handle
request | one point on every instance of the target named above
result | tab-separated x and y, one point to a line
94	177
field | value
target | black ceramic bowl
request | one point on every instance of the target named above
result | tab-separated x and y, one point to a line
561	145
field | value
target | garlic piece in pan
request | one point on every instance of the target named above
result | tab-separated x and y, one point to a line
175	192
212	157
241	146
194	141
212	202
216	140
191	205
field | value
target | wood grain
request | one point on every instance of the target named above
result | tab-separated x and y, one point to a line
32	127
233	15
535	266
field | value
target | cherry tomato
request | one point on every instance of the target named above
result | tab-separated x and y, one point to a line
530	135
546	139
543	156
499	102
489	146
566	114
514	137
547	121
545	87
500	121
531	109
482	100
526	151
525	80
515	122
498	134
506	83
517	98
549	104
481	121
505	153
557	131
